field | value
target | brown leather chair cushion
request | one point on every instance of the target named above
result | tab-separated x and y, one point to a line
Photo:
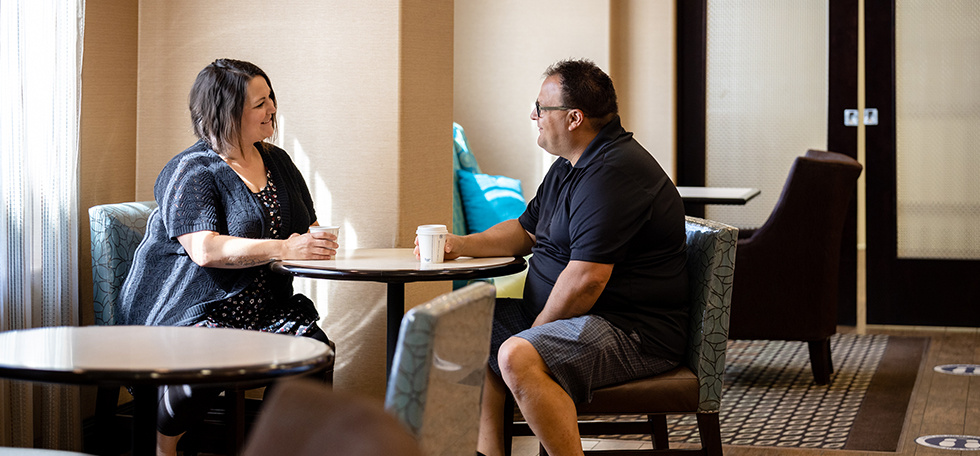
675	390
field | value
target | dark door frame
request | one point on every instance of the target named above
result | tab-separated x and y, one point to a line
842	85
901	291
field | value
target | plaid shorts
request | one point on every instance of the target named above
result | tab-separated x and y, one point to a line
583	352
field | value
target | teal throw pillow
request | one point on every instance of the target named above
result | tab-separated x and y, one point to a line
489	200
463	157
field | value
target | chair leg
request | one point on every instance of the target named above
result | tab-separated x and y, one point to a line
820	360
710	430
236	420
106	402
658	431
508	424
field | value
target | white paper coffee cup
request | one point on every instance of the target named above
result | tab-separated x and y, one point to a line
332	229
432	243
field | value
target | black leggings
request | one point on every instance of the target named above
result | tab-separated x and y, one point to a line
182	406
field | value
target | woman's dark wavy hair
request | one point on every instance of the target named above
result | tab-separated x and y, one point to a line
586	87
217	101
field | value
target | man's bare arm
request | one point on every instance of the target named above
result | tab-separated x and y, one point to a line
576	291
507	238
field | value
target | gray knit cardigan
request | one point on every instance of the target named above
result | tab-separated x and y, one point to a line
198	191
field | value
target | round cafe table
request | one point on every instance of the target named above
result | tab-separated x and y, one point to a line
396	267
146	357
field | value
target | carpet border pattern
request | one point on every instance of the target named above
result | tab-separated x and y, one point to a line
769	397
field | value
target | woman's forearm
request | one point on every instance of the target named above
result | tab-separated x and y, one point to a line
210	249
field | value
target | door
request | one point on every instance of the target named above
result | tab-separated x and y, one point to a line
759	83
923	170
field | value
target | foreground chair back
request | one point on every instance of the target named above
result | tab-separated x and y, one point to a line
695	386
439	368
788	269
303	417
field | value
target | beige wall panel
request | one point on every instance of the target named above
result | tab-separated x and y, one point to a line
501	50
107	160
426	107
425	122
340	74
644	71
108	122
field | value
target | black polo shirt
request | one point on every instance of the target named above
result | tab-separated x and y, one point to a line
615	206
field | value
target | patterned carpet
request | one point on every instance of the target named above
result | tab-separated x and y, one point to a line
770	399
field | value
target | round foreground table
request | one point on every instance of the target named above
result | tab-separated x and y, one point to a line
396	267
146	357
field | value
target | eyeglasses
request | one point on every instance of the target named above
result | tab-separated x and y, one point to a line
539	108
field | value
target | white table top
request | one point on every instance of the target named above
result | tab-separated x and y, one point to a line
38	452
393	260
154	354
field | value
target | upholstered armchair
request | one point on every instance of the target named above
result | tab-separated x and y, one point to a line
302	417
788	269
695	386
116	230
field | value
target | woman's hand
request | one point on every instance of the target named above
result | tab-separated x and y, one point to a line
310	246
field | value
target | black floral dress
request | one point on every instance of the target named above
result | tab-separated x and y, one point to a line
255	308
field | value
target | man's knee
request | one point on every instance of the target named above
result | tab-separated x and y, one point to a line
518	359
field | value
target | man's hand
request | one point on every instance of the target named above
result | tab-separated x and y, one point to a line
453	246
507	238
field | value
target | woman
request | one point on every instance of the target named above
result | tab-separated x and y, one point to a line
228	205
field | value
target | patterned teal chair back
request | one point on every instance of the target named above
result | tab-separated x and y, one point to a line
439	368
116	231
710	266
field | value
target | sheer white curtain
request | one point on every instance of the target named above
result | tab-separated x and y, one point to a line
41	61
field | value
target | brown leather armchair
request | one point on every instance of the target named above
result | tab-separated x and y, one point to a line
303	417
785	286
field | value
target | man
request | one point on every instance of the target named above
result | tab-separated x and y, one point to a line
605	299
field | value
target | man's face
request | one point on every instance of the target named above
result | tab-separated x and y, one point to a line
552	128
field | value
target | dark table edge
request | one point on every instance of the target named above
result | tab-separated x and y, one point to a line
223	376
405	275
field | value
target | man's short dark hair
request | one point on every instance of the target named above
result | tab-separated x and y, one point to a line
586	87
217	101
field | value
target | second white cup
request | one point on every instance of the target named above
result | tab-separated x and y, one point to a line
432	243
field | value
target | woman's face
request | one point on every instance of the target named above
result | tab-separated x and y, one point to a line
258	112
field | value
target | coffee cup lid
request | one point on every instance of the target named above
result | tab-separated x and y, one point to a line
431	229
